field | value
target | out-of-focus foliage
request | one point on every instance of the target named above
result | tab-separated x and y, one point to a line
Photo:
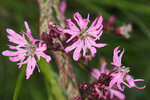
137	56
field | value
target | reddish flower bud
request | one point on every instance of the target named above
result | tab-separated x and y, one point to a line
111	20
117	31
84	86
46	38
104	79
56	46
63	41
54	30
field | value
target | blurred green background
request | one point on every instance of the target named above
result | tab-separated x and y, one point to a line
137	49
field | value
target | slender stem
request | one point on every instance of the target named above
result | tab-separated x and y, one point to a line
19	83
49	12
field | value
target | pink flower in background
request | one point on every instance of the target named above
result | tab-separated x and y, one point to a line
116	93
96	73
86	37
120	74
25	50
110	91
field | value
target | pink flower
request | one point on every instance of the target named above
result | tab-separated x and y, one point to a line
96	73
120	73
110	91
25	50
86	37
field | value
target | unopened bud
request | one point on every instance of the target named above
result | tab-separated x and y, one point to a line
54	30
56	46
103	79
46	38
117	31
63	41
111	20
84	86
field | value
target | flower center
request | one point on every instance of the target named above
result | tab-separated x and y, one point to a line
30	49
124	70
83	34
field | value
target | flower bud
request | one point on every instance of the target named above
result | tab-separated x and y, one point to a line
46	38
54	30
84	86
63	41
117	30
111	20
56	46
103	79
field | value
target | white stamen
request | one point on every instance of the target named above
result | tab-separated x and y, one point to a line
124	70
30	49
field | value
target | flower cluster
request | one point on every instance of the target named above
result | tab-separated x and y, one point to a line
120	73
109	82
100	89
26	49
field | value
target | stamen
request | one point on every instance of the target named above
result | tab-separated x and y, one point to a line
83	34
30	49
124	70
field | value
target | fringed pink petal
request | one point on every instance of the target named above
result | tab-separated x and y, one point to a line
28	31
71	32
93	43
95	73
97	23
72	26
73	36
48	58
77	51
115	79
131	82
78	18
116	58
73	46
31	64
41	48
10	53
103	68
116	93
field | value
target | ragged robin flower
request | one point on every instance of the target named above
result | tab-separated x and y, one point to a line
26	50
120	73
123	30
85	37
103	77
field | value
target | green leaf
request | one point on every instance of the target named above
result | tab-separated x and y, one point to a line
49	92
53	81
137	21
19	82
134	6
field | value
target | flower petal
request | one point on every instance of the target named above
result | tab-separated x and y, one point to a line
95	73
77	51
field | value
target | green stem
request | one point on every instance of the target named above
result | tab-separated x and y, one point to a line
49	12
51	78
19	83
